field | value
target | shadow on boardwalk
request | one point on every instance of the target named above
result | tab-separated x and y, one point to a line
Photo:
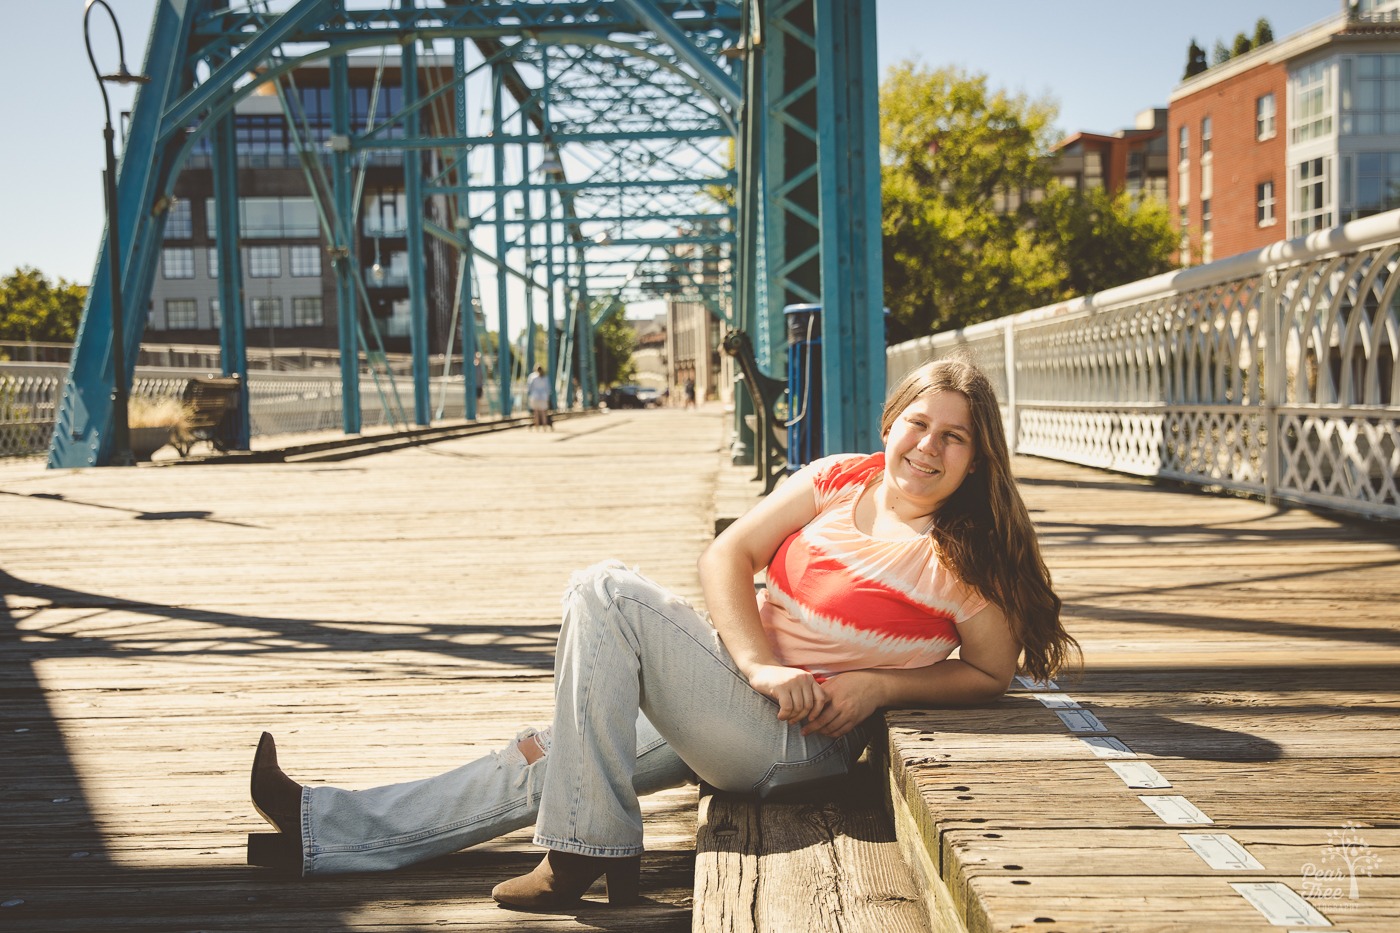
387	619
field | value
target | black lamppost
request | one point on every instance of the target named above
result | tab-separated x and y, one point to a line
121	433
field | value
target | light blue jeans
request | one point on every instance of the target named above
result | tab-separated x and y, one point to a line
646	698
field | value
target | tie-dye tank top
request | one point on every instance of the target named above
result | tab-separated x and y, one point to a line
839	599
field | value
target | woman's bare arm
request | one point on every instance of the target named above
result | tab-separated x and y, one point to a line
982	671
727	569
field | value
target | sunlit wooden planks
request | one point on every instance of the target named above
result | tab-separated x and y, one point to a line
387	618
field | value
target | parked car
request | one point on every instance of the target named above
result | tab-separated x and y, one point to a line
632	396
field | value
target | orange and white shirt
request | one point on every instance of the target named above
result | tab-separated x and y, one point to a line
839	599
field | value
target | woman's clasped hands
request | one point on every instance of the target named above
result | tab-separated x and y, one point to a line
831	708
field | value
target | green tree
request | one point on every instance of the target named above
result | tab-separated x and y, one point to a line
1242	44
1195	61
1220	54
1263	33
1101	240
33	308
957	248
957	158
614	340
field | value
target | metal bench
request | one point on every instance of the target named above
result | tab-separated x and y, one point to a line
212	405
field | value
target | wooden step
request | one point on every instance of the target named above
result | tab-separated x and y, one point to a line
825	861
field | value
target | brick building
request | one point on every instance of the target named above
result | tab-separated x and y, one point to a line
1298	135
1131	160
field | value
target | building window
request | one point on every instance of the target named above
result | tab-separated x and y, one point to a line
1312	197
177	262
1312	102
181	313
1377	184
264	262
1264	203
398	324
1183	144
1093	169
1205	217
1265	118
260	134
299	218
386	213
1205	136
260	218
305	260
267	312
306	312
1374	104
269	218
214	314
179	225
213	255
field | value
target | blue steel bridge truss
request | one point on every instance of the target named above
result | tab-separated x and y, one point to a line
592	153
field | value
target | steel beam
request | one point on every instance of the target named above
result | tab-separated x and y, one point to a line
233	338
638	77
666	30
343	252
853	328
417	282
82	429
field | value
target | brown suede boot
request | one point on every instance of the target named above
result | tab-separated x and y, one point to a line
277	798
562	878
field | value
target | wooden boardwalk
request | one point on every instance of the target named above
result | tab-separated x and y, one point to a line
390	617
387	618
1250	656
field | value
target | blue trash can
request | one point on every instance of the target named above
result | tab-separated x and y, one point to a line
804	374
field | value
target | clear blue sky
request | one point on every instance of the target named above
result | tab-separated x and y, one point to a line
1101	60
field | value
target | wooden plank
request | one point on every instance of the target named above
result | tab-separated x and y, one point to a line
826	864
727	851
1089	904
832	867
1155	851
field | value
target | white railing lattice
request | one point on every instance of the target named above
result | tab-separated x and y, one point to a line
1275	372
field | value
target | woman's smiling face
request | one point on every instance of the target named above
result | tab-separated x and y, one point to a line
930	450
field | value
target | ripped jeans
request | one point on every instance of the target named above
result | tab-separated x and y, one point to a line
646	698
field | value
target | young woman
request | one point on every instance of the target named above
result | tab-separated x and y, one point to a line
878	567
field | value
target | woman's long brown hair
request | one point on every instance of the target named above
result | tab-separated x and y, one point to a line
983	531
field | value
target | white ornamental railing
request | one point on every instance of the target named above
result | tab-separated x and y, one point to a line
1275	372
277	403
